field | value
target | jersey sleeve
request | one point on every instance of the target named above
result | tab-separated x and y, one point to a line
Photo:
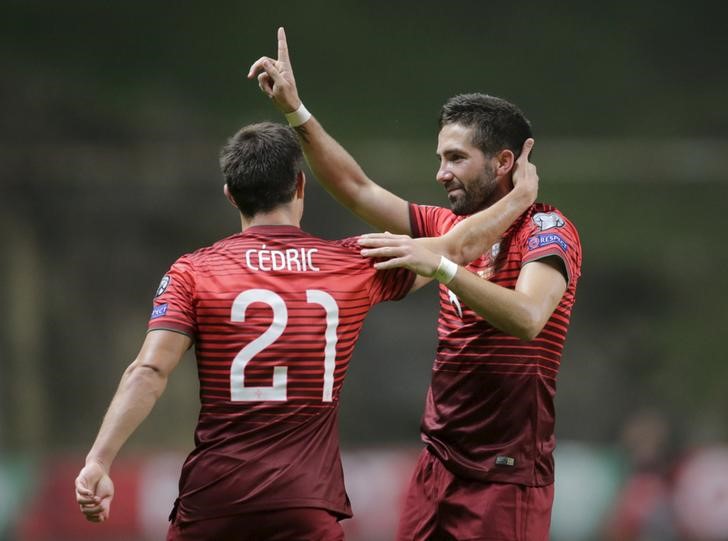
429	221
551	234
174	301
383	285
391	285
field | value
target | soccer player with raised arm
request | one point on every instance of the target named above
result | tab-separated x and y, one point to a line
274	314
487	470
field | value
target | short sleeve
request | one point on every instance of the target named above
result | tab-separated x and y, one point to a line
391	285
551	234
430	221
382	285
174	301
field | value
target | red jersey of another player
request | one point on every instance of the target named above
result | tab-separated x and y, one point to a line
489	413
275	313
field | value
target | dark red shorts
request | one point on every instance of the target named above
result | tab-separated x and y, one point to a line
441	506
275	525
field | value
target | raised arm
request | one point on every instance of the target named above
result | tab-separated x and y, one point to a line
141	385
332	165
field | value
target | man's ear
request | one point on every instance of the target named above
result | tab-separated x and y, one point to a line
300	184
228	195
505	160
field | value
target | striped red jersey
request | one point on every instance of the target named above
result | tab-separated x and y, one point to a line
274	313
489	413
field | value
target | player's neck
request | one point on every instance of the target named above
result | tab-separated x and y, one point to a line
278	216
500	191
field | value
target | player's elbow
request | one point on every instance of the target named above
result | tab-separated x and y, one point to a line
468	253
527	334
148	377
528	325
462	252
463	245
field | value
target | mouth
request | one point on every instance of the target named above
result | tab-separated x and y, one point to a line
453	191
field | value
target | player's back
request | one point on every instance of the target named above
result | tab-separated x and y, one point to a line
275	313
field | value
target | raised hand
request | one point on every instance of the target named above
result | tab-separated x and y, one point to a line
275	77
525	175
94	492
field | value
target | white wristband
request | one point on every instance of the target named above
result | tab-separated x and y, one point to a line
446	271
298	117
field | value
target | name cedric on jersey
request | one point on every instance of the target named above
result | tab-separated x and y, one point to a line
290	259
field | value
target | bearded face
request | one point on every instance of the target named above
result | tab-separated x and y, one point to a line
468	195
466	174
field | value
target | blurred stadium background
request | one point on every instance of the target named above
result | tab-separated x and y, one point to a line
112	115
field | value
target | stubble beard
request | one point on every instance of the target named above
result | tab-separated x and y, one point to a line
477	196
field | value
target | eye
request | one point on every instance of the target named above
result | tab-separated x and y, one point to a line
452	157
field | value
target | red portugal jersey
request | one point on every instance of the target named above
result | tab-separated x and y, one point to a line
490	406
274	313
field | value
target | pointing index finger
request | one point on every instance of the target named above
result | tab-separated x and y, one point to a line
282	46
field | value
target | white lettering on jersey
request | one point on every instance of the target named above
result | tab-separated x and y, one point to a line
291	259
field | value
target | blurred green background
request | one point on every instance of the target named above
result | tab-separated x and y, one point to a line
112	114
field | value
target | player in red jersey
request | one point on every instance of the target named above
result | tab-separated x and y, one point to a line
274	314
487	468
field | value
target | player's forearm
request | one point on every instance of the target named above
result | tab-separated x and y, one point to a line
333	166
343	177
509	311
140	388
475	235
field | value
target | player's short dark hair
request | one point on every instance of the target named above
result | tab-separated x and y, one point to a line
498	124
260	164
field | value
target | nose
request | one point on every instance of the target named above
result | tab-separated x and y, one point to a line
444	175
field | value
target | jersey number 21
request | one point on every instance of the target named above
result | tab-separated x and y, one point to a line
278	391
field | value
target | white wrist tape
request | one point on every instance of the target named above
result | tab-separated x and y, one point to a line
298	117
446	271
